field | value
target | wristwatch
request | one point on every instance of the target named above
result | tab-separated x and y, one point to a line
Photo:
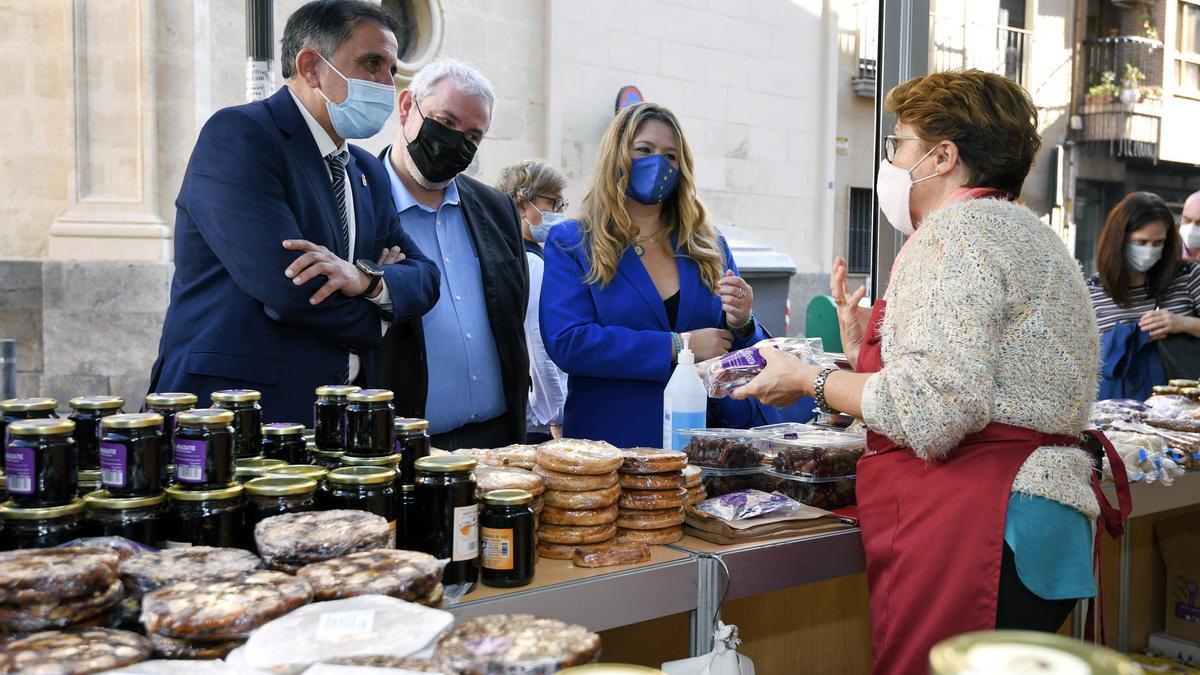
372	270
819	391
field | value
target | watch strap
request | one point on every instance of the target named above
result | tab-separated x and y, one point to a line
819	391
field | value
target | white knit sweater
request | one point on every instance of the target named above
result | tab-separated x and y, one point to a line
988	319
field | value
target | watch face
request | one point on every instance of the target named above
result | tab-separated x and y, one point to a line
370	268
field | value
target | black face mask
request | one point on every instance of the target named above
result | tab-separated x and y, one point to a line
440	153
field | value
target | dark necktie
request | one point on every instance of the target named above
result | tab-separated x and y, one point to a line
337	171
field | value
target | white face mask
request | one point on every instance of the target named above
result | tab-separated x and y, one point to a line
1142	258
1191	235
893	189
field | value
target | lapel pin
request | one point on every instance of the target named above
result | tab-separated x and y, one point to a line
364	180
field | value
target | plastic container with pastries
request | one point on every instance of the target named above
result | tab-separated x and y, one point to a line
823	493
815	454
721	448
718	482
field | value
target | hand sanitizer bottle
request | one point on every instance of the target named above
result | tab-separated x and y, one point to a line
685	402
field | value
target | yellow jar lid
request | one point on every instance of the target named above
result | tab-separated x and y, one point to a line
300	470
280	486
387	460
371	396
1184	384
10	511
236	396
361	475
445	464
132	421
256	466
283	429
28	404
205	417
181	494
40	427
410	424
171	399
90	475
96	402
508	497
336	389
102	499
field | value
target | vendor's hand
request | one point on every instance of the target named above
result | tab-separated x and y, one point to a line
737	298
706	343
1160	323
783	381
852	319
391	256
316	261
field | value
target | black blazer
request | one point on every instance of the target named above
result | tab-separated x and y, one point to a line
495	228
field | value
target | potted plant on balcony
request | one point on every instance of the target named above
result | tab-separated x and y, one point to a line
1131	85
1105	92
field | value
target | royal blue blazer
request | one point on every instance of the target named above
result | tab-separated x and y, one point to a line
615	342
256	178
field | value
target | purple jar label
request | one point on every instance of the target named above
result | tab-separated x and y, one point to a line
113	464
20	467
190	460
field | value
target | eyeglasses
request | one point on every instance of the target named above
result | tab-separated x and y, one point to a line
556	205
891	142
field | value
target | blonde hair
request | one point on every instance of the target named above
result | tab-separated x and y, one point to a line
605	224
527	179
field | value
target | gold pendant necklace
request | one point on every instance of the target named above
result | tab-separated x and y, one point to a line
637	243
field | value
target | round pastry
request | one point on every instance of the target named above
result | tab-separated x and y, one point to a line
667	535
407	575
519	456
515	643
409	663
579	457
60	613
222	610
670	480
650	520
645	500
611	553
74	652
592	499
489	478
652	460
601	516
171	648
576	534
692	476
575	483
147	572
433	598
292	540
696	495
49	574
537	505
546	549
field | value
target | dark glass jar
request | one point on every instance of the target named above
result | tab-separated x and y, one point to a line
89	481
246	469
168	404
329	416
412	443
507	539
14	409
316	473
86	413
203	454
247	419
329	459
272	495
41	463
365	488
40	527
369	423
138	519
406	518
130	463
208	518
284	441
386	462
447	522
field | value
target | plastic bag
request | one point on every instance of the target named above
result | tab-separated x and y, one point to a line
1147	457
124	548
747	504
723	374
722	660
1104	413
176	667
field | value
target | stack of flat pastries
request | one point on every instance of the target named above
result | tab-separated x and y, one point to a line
653	496
581	493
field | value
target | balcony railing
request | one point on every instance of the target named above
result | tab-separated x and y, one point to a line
1122	95
985	46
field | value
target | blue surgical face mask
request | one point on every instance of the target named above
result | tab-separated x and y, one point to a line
549	220
652	180
367	107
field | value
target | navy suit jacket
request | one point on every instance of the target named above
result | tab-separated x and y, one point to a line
615	342
256	178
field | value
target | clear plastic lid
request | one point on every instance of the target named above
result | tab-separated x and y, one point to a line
784	428
816	454
721	448
797	478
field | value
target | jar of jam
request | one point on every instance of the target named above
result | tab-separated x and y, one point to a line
316	473
272	495
387	462
329	416
369	423
86	413
447	522
168	404
135	518
406	518
284	441
130	463
507	538
329	459
15	409
89	481
208	518
40	527
204	449
412	443
246	469
41	463
247	419
365	488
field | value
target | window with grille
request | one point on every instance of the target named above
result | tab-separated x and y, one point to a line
1187	49
858	252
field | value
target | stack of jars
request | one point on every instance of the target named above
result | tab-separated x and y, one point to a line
367	477
41	464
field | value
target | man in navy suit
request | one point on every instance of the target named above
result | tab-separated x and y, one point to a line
289	257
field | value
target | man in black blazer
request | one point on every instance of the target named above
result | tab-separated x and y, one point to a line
470	377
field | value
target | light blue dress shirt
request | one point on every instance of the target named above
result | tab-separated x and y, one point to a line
460	351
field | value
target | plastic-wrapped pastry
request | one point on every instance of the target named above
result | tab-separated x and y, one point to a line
652	460
554	480
650	520
667	535
489	478
289	541
553	551
407	575
151	571
59	613
601	516
696	495
576	534
611	553
670	480
74	652
515	644
407	663
653	499
191	650
519	456
593	499
579	457
692	476
722	374
222	610
51	574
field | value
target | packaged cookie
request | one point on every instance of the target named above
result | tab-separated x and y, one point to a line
515	643
611	553
76	652
669	480
46	575
601	516
554	551
292	540
579	457
650	520
222	610
592	499
25	617
692	475
652	460
576	534
696	495
518	456
408	575
171	648
653	499
569	482
660	537
490	478
148	572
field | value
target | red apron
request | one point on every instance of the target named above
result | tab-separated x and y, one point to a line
934	531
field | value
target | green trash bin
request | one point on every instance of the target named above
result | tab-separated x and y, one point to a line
821	320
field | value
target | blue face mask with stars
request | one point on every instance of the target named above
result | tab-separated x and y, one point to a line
652	180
